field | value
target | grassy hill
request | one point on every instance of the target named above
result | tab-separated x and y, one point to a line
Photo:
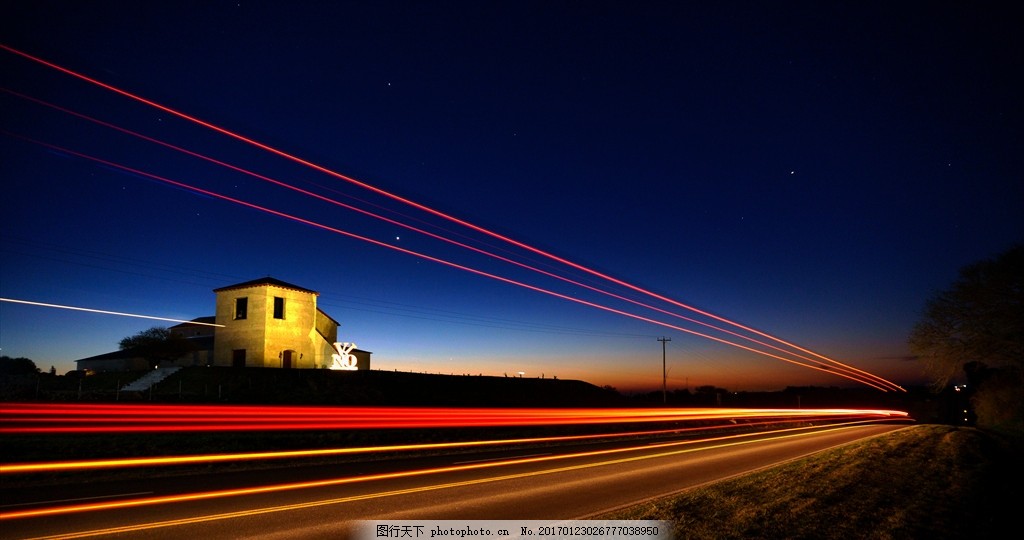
927	481
384	388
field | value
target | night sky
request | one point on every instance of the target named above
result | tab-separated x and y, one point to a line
815	170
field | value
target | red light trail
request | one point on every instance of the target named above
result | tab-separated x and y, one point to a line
39	418
851	376
54	418
854	373
668	449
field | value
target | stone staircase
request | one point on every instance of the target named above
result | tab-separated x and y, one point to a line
144	382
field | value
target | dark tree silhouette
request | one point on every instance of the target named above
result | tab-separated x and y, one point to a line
17	366
157	345
980	318
977	327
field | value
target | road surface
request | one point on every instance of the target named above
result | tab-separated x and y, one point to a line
325	501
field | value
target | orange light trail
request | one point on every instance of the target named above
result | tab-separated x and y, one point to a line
159	461
878	382
727	440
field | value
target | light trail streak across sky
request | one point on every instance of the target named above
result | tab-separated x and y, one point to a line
857	374
104	312
818	367
262	177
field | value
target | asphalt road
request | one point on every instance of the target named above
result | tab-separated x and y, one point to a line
539	483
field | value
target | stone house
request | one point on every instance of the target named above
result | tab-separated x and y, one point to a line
260	323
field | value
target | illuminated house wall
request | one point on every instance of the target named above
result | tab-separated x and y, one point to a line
270	323
266	323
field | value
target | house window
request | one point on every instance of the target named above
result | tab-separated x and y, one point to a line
278	307
241	308
238	358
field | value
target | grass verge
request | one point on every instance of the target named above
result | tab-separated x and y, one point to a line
926	481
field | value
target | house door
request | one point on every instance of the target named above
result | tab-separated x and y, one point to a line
238	358
286	360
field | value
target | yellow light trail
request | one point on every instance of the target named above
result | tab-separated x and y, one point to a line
54	466
61	466
186	497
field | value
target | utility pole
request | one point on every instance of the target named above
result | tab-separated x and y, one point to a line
664	373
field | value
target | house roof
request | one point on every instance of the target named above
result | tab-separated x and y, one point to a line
266	281
324	313
204	320
203	343
123	353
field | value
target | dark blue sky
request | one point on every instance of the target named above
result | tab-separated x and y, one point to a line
814	170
